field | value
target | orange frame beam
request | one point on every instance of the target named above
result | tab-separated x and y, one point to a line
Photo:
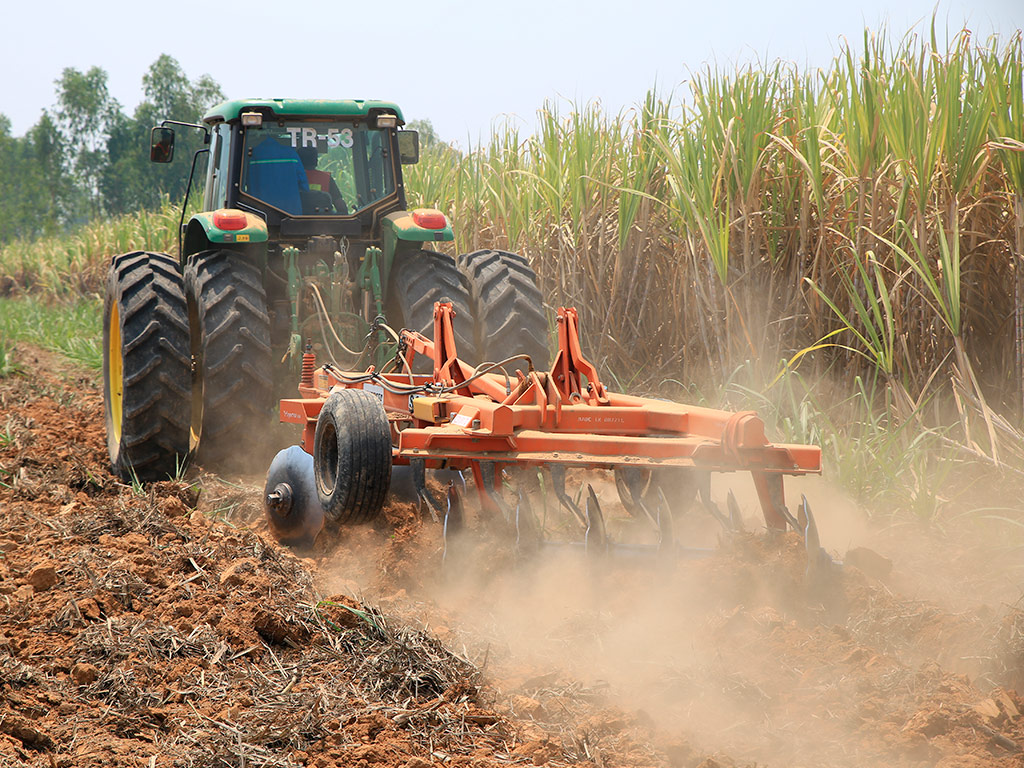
564	415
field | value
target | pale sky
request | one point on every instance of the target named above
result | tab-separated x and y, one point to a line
460	64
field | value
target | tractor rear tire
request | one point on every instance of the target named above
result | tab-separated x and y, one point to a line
508	308
146	376
232	372
352	456
418	280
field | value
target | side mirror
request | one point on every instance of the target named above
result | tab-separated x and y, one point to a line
161	145
409	147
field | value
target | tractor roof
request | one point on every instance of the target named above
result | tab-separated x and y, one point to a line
230	110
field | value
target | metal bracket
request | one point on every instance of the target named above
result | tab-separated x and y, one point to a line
454	516
419	481
596	539
558	485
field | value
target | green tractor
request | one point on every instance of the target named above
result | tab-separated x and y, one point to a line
303	235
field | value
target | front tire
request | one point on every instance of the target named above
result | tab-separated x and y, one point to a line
146	378
233	380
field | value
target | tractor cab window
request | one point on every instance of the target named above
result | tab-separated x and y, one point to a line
317	168
218	171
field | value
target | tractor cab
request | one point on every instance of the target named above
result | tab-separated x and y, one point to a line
309	167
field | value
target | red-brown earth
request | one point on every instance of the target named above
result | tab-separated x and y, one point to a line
163	626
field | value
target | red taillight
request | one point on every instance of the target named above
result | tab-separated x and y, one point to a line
227	219
429	218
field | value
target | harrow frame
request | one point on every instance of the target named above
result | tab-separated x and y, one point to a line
465	417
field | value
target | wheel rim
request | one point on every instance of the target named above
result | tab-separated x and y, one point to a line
327	477
115	365
196	426
195	429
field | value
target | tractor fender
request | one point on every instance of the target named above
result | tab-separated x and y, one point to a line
406	230
223	228
420	226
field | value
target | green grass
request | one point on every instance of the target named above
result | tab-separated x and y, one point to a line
71	328
6	436
8	366
75	264
899	463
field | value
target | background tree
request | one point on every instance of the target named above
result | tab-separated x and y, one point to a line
87	158
50	168
33	182
130	181
428	136
84	113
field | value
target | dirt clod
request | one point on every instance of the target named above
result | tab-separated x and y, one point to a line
27	732
42	577
870	562
239	572
524	706
84	673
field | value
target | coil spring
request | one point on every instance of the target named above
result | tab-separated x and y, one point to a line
308	366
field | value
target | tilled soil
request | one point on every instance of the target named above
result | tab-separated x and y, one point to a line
162	626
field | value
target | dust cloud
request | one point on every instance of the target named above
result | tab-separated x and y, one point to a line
731	651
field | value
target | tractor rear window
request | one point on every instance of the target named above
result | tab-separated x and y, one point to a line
317	168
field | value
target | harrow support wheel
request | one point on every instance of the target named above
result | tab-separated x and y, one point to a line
146	367
508	307
419	279
352	456
232	370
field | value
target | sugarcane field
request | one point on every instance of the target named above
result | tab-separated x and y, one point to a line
686	435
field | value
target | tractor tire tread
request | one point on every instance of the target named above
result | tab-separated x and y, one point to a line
364	456
420	279
231	345
155	366
508	306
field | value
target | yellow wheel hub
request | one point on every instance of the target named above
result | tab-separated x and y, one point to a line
115	377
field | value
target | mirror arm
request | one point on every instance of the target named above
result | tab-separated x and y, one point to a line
191	174
188	189
204	128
